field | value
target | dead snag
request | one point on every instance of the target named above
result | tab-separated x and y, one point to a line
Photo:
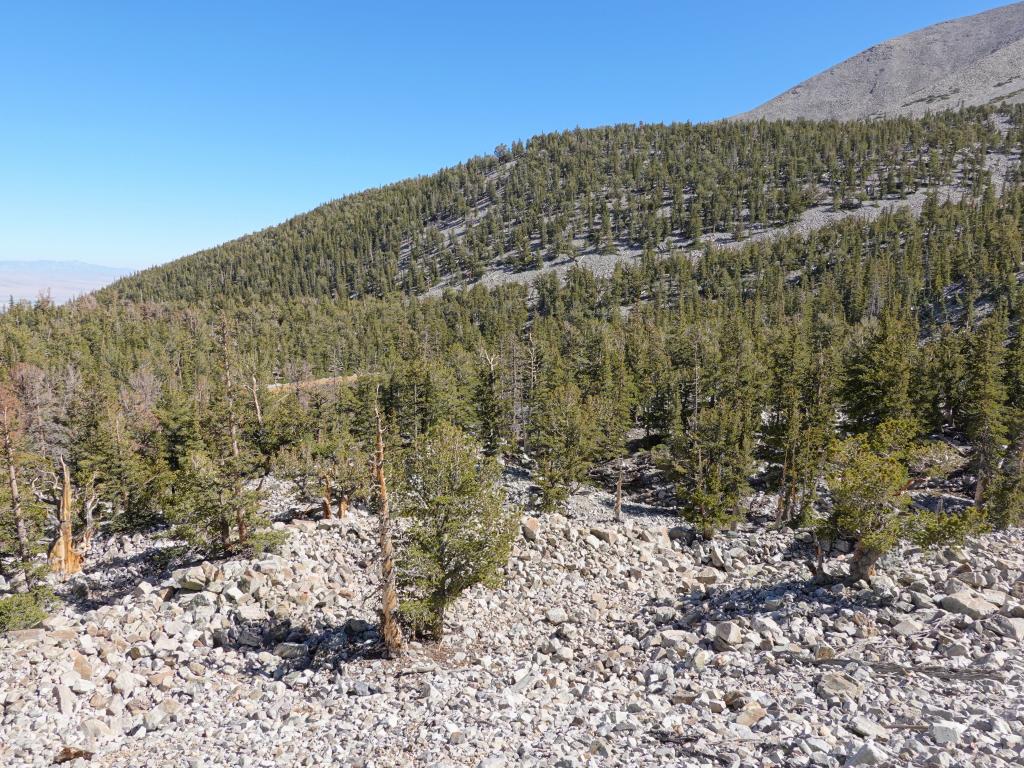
389	628
325	497
64	558
89	505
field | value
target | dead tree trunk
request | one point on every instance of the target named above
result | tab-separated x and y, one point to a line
618	495
325	498
389	628
862	563
782	509
64	558
89	504
256	401
233	427
20	529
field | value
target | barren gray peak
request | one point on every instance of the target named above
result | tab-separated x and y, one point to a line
970	61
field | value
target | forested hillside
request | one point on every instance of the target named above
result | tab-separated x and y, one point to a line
792	363
609	190
860	383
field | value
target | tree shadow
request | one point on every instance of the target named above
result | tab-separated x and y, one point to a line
296	649
639	509
780	598
790	597
107	580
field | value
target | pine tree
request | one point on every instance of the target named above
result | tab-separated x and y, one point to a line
714	426
110	464
944	380
333	470
389	629
493	409
1004	497
985	402
563	439
22	519
205	502
868	504
461	531
800	426
879	373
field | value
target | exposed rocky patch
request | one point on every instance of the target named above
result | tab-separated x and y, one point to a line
1001	167
971	61
610	644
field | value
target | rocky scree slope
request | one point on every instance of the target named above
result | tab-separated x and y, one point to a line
971	61
610	644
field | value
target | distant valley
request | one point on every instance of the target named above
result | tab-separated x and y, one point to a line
62	280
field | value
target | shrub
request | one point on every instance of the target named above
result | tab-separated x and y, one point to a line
24	610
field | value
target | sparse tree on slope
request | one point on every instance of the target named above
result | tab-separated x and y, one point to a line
461	531
337	464
985	402
870	505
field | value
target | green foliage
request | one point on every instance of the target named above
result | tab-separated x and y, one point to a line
460	531
205	504
563	438
870	505
119	464
940	390
493	407
715	422
265	542
985	416
23	517
604	186
868	500
25	610
880	371
895	439
804	380
937	528
333	470
773	348
1003	498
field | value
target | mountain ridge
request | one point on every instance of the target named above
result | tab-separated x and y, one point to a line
970	61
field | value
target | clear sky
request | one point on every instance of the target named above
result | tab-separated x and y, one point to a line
132	133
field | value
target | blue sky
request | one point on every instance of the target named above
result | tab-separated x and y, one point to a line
132	133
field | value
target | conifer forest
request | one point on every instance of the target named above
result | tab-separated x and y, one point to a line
609	309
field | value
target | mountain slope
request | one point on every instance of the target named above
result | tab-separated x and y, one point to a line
971	61
596	196
62	280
